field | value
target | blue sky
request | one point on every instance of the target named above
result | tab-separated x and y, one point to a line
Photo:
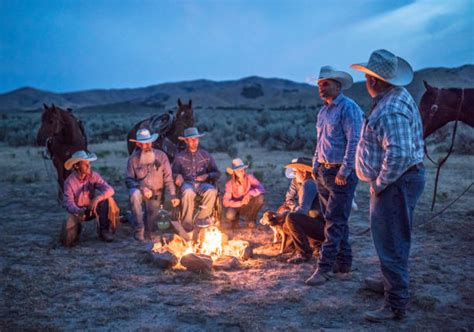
77	44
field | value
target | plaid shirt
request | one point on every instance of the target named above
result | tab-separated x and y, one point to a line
391	140
338	127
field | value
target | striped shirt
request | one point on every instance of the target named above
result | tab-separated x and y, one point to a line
338	128
391	140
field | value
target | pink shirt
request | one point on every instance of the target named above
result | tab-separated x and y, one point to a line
235	192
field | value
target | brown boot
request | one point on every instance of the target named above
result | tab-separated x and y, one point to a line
106	236
374	284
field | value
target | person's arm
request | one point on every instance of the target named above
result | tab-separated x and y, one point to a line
104	189
256	188
130	176
68	199
228	199
351	125
167	176
212	171
309	193
291	196
396	138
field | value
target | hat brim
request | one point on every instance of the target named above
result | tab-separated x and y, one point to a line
342	77
71	161
404	74
299	166
232	170
182	138
152	138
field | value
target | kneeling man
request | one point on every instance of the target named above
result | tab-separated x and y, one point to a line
86	196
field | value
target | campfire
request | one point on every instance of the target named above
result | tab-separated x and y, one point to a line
212	249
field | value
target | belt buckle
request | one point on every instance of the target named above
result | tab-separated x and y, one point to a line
327	166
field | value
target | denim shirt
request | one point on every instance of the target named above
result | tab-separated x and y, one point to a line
190	165
307	197
338	128
154	176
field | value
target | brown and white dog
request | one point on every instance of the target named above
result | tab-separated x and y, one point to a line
276	221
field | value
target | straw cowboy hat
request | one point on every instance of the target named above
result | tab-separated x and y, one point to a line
144	136
190	133
236	165
79	156
387	67
301	163
329	73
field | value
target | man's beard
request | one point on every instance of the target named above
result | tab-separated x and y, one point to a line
147	157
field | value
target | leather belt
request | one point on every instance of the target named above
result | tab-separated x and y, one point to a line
330	166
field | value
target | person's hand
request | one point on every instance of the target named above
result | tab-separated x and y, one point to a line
246	199
175	202
179	180
147	193
340	180
81	215
202	178
93	206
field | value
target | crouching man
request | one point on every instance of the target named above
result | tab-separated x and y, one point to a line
86	196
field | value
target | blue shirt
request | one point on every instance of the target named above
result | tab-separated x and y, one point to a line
391	140
338	127
191	165
307	197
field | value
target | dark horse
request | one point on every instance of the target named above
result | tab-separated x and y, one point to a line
62	134
168	126
439	106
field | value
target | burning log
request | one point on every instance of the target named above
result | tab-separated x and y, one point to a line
226	263
196	262
163	260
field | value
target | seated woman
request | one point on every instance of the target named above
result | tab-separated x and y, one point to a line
305	221
243	195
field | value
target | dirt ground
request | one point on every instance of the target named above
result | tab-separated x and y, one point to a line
99	286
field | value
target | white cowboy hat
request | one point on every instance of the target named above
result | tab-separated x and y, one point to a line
144	136
301	163
329	73
237	164
387	67
190	133
79	156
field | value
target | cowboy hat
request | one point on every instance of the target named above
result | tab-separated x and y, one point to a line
301	163
190	133
144	136
79	156
329	73
387	67
237	164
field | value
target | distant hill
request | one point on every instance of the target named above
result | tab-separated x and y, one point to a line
246	93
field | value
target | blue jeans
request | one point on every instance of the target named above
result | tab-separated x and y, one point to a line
336	202
391	220
188	193
144	210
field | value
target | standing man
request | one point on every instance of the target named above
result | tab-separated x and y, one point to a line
338	128
148	171
194	169
390	158
86	196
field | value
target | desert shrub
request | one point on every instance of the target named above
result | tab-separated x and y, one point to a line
252	91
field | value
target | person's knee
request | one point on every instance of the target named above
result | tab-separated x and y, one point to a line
188	195
211	192
230	214
259	200
136	196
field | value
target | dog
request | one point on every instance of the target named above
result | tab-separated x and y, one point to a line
276	221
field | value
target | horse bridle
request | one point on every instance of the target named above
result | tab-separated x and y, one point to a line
434	108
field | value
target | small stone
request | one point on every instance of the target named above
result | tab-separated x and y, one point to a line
196	262
226	263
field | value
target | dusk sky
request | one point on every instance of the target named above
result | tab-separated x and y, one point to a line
75	45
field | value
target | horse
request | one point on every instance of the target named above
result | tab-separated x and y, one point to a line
62	134
168	127
438	106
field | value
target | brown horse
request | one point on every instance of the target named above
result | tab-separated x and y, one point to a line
62	134
439	106
168	127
